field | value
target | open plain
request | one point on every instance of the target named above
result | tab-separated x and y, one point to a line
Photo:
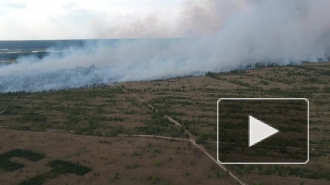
157	132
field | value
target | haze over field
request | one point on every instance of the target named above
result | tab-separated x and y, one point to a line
218	35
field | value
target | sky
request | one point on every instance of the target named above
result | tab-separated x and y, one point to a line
63	19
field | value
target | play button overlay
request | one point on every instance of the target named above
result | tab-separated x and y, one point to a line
263	130
259	131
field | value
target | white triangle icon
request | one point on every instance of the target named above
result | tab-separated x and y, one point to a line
259	131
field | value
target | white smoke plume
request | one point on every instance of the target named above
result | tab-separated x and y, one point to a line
220	35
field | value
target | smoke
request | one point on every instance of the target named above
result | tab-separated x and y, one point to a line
207	17
196	18
216	36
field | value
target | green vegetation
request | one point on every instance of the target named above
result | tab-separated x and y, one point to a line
159	125
153	179
59	168
32	117
8	165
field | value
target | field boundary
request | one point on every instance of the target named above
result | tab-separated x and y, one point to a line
192	140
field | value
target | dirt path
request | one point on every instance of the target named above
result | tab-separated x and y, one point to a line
7	106
4	109
192	140
191	136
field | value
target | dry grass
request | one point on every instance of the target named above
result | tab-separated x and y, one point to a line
190	100
133	159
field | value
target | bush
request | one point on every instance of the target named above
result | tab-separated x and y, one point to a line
32	117
59	168
8	165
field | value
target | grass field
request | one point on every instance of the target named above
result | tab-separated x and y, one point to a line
98	127
117	160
